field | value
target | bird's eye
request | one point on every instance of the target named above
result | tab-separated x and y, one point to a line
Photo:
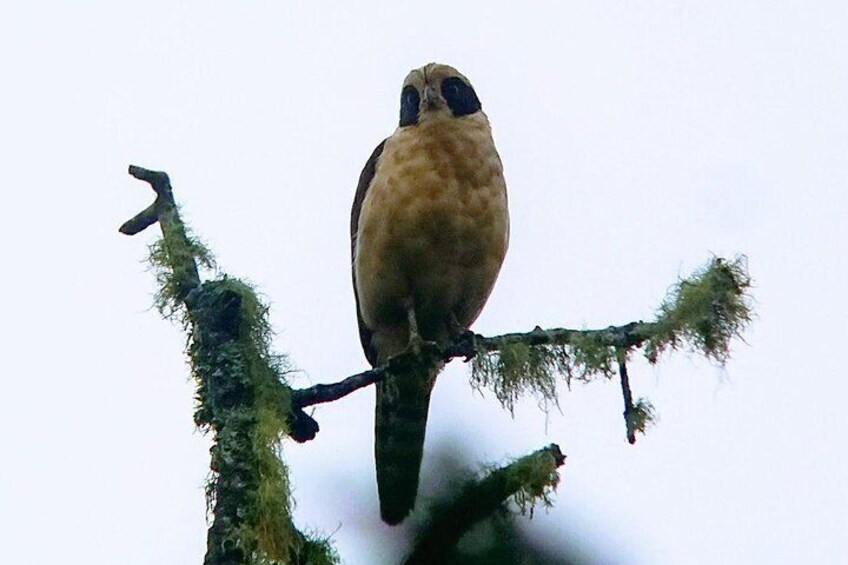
461	98
410	101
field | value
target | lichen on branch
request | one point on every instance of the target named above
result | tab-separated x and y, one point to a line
702	313
242	397
519	369
242	401
525	482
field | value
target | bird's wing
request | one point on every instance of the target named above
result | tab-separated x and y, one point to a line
365	178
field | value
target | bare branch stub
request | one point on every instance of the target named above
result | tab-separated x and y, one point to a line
322	393
161	184
302	426
629	410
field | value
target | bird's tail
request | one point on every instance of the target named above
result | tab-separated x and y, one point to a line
400	425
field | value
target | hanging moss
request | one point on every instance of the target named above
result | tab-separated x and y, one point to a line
704	312
316	550
590	357
535	477
174	259
518	369
640	416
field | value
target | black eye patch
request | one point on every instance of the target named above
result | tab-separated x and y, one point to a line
461	98
410	101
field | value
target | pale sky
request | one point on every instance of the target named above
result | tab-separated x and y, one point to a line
638	138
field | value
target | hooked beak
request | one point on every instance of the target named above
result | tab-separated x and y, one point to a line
431	97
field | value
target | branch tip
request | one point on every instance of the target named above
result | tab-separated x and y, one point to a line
156	179
559	456
161	185
525	481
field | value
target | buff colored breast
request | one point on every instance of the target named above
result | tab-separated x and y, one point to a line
433	229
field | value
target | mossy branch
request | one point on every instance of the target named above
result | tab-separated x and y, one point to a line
526	481
702	313
241	397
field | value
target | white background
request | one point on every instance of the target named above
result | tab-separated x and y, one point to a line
637	137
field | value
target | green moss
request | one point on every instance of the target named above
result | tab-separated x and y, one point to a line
316	550
704	311
518	369
640	416
172	259
590	357
242	398
536	478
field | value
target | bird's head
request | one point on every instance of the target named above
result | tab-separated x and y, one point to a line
436	91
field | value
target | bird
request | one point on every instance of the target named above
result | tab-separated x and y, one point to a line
429	232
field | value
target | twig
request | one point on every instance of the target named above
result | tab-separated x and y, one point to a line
629	410
321	393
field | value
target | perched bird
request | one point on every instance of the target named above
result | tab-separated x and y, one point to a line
429	230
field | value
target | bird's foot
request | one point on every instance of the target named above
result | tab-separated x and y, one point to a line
416	343
466	341
462	338
419	352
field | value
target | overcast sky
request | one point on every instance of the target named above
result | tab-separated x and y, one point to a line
638	138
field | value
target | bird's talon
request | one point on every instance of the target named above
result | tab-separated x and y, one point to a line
416	344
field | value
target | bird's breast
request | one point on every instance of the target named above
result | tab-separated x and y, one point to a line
434	224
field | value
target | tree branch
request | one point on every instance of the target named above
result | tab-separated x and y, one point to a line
704	312
241	397
467	346
627	336
527	480
321	393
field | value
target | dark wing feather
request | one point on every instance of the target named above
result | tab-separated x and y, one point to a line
365	179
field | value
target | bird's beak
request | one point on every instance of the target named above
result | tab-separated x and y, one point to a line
431	96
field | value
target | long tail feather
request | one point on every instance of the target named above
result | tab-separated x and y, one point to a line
400	424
